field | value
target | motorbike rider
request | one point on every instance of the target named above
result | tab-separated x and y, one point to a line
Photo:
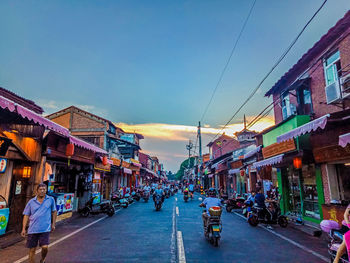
260	201
209	202
251	199
146	188
158	191
191	189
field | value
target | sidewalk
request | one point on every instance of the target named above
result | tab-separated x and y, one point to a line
13	245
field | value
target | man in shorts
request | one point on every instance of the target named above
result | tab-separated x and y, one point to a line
41	213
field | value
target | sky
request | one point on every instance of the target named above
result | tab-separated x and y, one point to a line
151	66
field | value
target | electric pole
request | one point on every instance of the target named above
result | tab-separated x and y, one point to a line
200	151
189	147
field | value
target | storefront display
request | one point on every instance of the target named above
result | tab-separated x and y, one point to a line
4	215
64	202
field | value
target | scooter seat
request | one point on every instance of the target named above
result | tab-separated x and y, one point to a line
335	246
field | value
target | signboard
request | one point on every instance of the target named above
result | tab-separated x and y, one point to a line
18	187
4	145
4	218
333	212
64	203
278	148
331	153
3	165
97	197
237	164
99	166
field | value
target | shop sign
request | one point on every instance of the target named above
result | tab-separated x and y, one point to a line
3	165
4	218
331	153
97	197
237	164
4	145
64	203
333	212
18	187
96	181
99	166
278	148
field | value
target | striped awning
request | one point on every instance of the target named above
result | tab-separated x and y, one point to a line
270	161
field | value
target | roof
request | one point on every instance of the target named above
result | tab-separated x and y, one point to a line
334	33
223	136
76	108
29	104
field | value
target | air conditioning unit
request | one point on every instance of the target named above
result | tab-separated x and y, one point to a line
345	85
333	92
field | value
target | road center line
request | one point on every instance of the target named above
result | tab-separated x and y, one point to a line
291	241
177	211
175	198
180	248
63	238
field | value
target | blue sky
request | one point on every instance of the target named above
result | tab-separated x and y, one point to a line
140	62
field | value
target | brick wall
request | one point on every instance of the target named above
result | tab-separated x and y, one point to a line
62	120
226	147
327	194
85	122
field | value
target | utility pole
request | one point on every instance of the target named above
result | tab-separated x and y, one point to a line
189	147
200	152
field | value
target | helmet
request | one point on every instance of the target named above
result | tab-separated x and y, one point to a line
212	192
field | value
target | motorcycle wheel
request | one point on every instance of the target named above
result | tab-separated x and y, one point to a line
228	209
110	212
253	220
85	212
282	221
126	205
216	241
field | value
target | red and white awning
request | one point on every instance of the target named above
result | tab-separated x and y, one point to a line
270	161
303	129
344	139
83	144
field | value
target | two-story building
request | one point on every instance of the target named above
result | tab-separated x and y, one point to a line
308	147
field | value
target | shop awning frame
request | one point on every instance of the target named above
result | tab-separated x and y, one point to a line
304	129
252	152
270	161
344	140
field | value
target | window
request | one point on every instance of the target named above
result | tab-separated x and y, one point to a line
304	101
286	105
332	68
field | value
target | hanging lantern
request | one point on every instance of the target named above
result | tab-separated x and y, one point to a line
297	163
242	172
104	160
69	151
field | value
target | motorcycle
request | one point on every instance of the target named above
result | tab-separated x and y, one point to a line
105	206
118	201
234	203
136	195
247	208
158	201
335	235
145	196
167	192
129	198
258	215
213	229
185	195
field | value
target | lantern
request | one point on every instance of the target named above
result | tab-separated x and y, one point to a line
242	172
297	163
104	160
69	151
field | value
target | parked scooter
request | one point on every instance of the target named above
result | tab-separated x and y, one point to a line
118	201
136	195
335	234
129	198
105	206
214	226
158	201
185	195
258	215
247	208
234	203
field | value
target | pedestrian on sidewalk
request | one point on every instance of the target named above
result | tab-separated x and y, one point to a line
41	213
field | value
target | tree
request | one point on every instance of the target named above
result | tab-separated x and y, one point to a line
184	165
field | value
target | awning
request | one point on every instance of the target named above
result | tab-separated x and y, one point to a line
270	161
252	152
108	160
127	171
149	171
344	139
234	171
83	144
306	128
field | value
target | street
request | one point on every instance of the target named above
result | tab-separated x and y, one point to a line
140	234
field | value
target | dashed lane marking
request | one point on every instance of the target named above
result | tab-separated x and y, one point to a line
177	211
291	241
175	198
180	248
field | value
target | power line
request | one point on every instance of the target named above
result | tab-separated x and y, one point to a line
272	69
228	60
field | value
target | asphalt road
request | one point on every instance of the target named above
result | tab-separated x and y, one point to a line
140	234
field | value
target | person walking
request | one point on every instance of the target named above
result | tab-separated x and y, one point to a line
41	213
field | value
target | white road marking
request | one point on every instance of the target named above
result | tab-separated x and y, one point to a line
173	239
65	237
180	248
175	198
177	211
291	241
